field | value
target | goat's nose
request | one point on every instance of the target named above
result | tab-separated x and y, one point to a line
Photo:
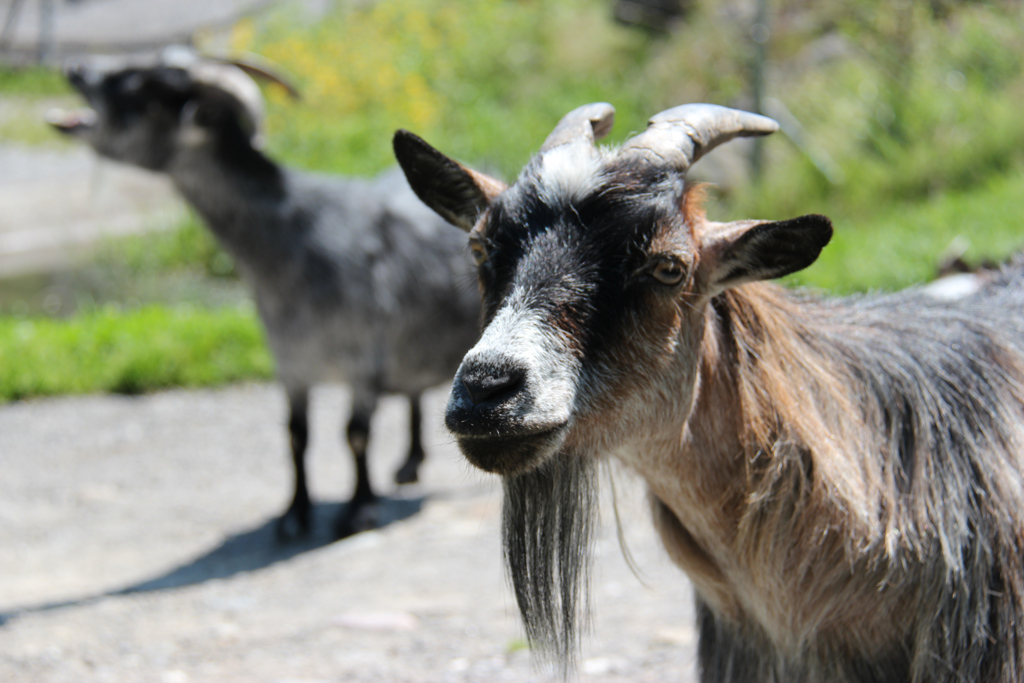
492	383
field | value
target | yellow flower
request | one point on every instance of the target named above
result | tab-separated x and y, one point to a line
242	35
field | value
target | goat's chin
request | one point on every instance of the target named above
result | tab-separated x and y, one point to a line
512	454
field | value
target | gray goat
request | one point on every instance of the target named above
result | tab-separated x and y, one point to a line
841	479
355	280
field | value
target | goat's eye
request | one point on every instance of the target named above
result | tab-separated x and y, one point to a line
478	251
668	271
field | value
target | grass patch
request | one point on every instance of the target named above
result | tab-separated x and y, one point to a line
110	350
35	81
25	95
22	121
903	245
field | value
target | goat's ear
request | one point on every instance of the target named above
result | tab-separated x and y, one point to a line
746	251
457	193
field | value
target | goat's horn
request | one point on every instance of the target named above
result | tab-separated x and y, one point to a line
257	67
589	122
251	64
236	84
678	137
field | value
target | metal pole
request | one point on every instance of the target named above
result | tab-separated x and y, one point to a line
760	32
9	21
46	18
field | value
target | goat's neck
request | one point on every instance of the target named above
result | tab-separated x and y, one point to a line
763	486
765	389
240	195
697	467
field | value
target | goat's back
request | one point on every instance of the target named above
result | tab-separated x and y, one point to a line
372	286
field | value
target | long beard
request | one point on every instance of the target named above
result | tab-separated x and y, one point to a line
547	519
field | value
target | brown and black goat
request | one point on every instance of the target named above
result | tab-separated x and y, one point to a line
840	478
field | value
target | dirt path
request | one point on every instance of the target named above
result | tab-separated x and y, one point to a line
135	533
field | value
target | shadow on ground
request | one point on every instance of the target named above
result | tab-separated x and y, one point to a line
243	552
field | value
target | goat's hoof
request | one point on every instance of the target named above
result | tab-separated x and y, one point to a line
409	473
293	525
357	518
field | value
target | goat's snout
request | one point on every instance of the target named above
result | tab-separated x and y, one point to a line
499	418
492	383
487	396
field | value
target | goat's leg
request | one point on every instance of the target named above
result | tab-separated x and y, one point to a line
297	519
409	473
363	511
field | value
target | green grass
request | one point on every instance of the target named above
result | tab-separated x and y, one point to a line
110	350
26	94
33	81
902	245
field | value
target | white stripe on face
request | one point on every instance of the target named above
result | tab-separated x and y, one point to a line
520	334
569	172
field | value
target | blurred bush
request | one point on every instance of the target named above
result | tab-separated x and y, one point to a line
908	99
486	80
907	112
915	104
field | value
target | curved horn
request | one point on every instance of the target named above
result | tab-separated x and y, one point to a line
222	77
589	122
232	81
252	64
678	137
257	67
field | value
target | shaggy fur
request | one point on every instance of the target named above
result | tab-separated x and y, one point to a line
878	487
840	478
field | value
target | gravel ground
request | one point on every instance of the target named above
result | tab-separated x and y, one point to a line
136	544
